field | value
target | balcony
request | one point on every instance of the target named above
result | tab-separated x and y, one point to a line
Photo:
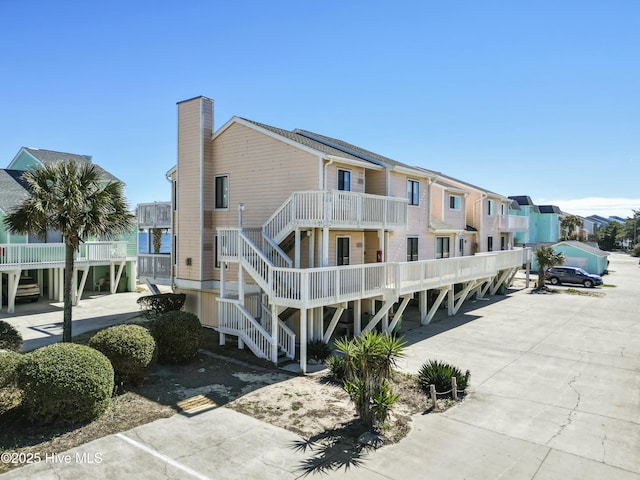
154	215
52	255
514	223
155	267
336	209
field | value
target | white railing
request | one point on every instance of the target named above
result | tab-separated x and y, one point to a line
156	266
286	337
154	215
509	258
336	208
53	254
514	223
234	319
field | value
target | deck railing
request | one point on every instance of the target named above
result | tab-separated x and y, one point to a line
43	255
314	287
234	319
338	209
286	337
154	215
155	266
514	223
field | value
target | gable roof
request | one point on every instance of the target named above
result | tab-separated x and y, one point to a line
12	189
50	157
584	247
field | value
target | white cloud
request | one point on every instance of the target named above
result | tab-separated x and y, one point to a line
605	207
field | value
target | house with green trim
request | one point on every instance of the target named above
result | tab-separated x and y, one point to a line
100	265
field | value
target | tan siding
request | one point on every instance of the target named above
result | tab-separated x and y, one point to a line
376	182
190	137
357	177
437	199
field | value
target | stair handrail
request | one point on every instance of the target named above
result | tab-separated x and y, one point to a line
259	343
286	337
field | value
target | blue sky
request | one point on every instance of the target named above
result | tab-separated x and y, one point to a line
537	98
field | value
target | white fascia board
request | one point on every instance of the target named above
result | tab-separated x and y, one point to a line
171	171
355	163
414	172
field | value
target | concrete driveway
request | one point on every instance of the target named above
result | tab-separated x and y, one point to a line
555	394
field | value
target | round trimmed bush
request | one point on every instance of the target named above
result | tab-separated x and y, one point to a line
9	363
130	348
439	374
65	383
10	338
178	336
10	395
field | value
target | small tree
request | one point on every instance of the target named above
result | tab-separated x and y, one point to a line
368	364
73	199
570	224
546	258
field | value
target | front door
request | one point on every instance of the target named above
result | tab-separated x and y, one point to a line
343	251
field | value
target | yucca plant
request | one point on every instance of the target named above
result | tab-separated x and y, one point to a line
439	374
368	363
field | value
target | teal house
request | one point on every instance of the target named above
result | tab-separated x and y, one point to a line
583	255
100	265
544	221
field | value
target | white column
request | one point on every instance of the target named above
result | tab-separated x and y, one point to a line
303	340
51	282
422	303
297	249
61	284
312	248
274	334
241	284
325	247
357	317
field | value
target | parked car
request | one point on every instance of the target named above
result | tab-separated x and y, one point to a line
558	275
28	289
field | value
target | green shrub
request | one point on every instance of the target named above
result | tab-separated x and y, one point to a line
636	250
318	350
65	383
10	338
368	365
439	374
336	366
9	367
178	336
155	305
130	348
9	364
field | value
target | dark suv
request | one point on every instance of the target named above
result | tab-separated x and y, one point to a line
558	275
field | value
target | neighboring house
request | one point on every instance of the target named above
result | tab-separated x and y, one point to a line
490	226
549	223
580	254
599	221
155	264
99	265
281	235
529	210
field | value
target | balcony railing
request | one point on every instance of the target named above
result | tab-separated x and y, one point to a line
315	287
156	267
514	223
339	209
43	255
154	215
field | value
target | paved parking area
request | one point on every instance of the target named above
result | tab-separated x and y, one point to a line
555	393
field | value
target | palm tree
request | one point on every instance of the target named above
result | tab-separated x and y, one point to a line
570	224
546	258
73	199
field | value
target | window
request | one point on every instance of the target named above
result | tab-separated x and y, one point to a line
413	192
442	247
343	251
175	195
503	209
222	191
412	249
489	207
461	245
344	180
490	244
455	202
503	243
